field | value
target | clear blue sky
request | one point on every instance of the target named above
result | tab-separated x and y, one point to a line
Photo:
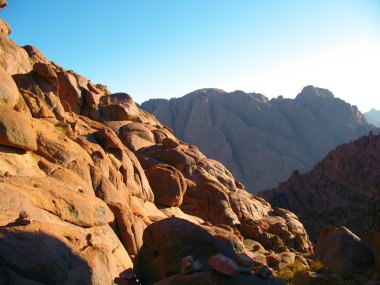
167	48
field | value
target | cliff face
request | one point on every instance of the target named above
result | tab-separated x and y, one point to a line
342	189
84	173
261	141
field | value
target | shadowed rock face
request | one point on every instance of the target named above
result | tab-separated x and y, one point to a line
343	251
261	141
86	176
342	189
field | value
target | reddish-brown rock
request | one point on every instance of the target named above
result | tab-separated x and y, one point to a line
118	107
69	92
168	185
9	94
16	130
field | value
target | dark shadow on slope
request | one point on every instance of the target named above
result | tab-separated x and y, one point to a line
34	257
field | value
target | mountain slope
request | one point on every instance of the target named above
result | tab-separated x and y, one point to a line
342	189
261	141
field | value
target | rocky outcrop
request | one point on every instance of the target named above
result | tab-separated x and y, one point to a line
89	185
342	189
261	141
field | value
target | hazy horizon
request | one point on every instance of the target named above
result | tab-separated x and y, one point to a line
165	49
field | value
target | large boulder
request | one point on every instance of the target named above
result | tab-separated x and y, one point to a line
166	242
168	185
16	130
9	94
341	250
118	107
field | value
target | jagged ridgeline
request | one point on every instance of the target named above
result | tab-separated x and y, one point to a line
261	141
94	190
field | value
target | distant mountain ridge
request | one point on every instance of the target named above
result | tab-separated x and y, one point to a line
261	141
373	117
342	189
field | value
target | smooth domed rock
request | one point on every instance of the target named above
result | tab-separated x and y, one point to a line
342	250
166	242
136	135
9	94
118	107
16	130
168	185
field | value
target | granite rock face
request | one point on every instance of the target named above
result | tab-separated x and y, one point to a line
89	185
261	141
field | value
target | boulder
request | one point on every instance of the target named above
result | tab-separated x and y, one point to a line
136	135
189	265
16	130
168	185
9	94
166	242
118	107
223	264
341	250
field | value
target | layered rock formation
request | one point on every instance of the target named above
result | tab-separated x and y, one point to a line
342	189
261	141
88	181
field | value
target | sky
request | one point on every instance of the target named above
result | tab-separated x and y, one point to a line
168	48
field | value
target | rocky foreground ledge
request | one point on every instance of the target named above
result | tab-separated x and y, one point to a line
94	190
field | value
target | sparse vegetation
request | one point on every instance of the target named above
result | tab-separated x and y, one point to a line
66	235
60	129
288	274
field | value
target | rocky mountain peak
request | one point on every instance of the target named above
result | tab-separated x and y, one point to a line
311	92
262	141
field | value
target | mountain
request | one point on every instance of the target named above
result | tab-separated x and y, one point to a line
261	141
94	190
342	189
373	117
